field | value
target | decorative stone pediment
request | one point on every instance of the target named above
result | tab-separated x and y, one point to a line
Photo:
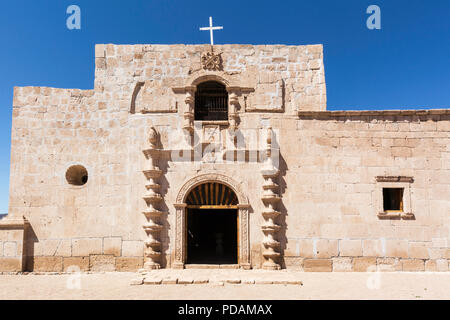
211	177
152	97
212	61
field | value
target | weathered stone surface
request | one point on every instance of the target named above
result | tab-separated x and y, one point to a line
389	264
154	97
364	264
318	265
261	281
85	247
397	248
10	264
294	263
232	281
372	248
171	280
112	246
342	264
64	248
326	248
413	265
129	264
152	280
12	254
132	248
350	248
185	280
248	281
75	264
306	247
418	250
137	282
294	282
10	249
201	280
102	263
48	264
437	265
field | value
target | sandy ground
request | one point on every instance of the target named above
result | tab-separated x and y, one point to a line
315	286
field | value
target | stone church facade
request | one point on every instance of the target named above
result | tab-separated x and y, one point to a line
192	156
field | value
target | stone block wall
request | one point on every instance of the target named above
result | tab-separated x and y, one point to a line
329	163
333	198
12	244
85	254
282	78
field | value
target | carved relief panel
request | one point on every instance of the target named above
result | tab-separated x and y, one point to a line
152	97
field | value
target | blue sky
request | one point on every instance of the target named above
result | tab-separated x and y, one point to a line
405	65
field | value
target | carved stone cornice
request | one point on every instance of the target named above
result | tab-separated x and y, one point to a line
185	89
230	89
14	223
394	179
370	113
237	89
180	205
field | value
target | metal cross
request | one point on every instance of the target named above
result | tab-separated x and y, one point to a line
211	28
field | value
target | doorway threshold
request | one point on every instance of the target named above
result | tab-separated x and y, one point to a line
211	266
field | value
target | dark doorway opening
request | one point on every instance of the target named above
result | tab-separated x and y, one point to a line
212	236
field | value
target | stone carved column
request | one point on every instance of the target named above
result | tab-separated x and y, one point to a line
232	110
188	115
271	199
180	236
244	254
153	198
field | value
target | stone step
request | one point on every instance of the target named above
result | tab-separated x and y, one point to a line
185	280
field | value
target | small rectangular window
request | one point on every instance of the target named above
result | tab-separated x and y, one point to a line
392	199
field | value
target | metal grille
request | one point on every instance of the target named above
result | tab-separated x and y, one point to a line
211	101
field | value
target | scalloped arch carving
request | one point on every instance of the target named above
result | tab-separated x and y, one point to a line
211	177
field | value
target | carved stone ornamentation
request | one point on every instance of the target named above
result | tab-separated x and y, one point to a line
152	197
212	61
271	199
232	110
188	115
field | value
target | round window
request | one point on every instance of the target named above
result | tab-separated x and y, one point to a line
77	175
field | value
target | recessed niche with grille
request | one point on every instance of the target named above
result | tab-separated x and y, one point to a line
211	102
77	175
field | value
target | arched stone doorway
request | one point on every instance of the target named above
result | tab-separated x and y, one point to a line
211	192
